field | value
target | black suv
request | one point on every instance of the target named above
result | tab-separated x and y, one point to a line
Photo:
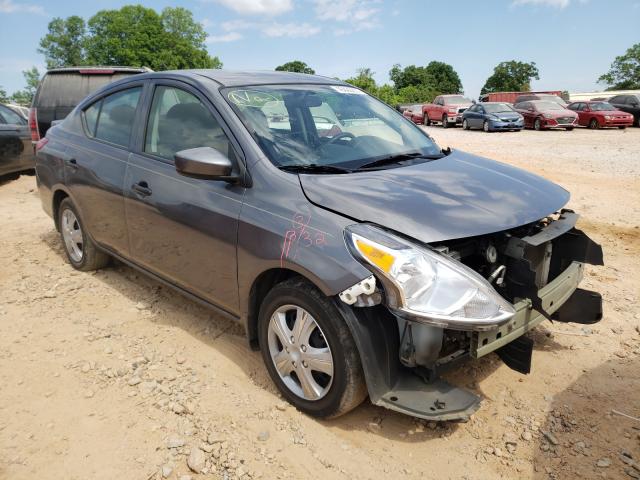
629	104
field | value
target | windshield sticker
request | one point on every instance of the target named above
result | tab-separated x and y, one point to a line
349	90
251	98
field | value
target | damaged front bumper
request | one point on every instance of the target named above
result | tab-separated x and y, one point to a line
543	271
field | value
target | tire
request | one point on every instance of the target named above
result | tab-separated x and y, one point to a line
425	120
568	129
637	122
622	127
81	252
465	124
593	124
445	122
537	125
332	395
485	126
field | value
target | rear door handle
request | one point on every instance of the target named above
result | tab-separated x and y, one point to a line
141	188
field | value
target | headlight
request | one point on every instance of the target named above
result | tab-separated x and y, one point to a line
426	285
608	117
546	115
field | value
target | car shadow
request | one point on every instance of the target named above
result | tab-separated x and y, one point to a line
590	437
170	308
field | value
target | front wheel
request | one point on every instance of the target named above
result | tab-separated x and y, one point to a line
568	129
445	122
425	120
465	124
537	124
485	126
622	127
80	249
309	351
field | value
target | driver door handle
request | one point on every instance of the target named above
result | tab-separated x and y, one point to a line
141	188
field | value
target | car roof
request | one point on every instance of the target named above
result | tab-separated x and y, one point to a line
232	78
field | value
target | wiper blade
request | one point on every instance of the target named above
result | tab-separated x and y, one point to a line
397	158
314	168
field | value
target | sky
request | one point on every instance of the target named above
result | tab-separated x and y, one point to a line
572	42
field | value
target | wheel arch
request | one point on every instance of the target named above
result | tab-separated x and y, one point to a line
260	287
59	195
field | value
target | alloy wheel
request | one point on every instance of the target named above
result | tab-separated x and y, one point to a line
485	126
300	353
537	125
72	235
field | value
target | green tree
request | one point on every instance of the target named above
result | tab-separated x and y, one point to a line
410	75
624	73
295	66
64	44
133	36
443	78
511	76
364	80
32	79
3	96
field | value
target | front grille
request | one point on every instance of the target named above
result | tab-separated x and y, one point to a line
564	120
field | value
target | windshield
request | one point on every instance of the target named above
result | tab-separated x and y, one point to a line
542	105
328	125
601	107
497	108
553	98
458	100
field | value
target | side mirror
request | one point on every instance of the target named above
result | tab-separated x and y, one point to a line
205	163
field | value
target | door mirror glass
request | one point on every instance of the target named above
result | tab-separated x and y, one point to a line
203	162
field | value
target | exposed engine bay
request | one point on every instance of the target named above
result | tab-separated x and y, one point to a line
518	263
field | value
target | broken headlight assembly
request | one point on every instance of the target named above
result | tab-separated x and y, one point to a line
425	285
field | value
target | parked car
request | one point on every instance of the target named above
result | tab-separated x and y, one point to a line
446	109
492	116
541	115
62	88
600	114
19	109
414	113
511	97
367	260
401	107
16	153
541	96
629	104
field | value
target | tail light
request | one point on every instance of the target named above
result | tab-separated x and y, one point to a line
41	143
33	124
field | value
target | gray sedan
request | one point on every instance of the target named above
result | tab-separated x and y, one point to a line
359	256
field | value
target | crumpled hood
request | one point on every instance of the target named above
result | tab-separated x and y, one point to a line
458	196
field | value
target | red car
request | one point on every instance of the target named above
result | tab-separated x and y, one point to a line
543	114
595	114
413	113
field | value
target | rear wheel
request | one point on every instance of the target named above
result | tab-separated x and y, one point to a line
465	124
80	249
594	124
309	351
537	124
445	122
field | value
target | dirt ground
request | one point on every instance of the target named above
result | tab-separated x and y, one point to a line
111	375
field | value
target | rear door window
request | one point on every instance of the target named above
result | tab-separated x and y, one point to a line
91	117
179	121
8	116
116	116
